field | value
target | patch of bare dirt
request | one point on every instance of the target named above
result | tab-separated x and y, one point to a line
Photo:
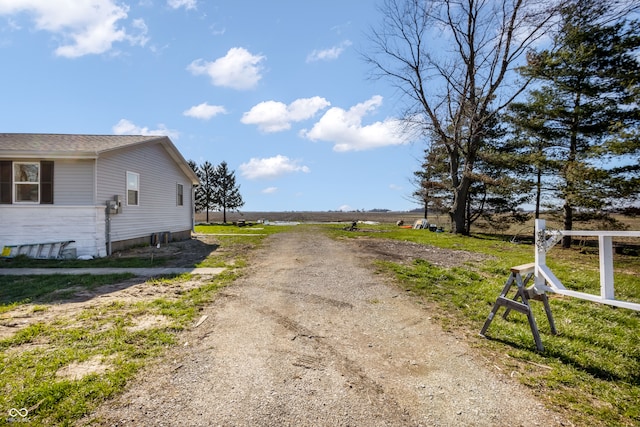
78	370
128	291
67	303
148	322
405	252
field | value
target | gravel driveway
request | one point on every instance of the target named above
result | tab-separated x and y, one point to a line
311	336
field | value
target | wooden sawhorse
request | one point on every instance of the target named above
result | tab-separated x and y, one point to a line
525	294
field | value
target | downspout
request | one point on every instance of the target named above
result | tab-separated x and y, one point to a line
108	229
193	208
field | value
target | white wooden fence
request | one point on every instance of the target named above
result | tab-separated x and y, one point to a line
545	280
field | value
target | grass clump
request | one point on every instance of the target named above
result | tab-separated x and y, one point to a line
242	239
230	230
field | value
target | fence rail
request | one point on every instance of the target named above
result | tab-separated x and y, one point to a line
547	281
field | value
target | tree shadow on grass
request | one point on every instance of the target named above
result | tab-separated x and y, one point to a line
25	289
597	371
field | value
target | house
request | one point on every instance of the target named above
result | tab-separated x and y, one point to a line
103	192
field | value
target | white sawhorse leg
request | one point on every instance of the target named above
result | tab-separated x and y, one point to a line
523	307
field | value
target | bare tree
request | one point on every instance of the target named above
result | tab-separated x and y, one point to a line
453	60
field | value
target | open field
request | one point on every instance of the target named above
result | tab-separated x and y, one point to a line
322	217
441	220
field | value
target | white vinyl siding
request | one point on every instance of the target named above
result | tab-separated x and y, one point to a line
159	174
74	183
31	223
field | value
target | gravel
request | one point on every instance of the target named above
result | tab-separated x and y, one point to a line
311	336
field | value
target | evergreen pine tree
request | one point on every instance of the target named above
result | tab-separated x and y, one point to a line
208	187
590	86
199	202
227	193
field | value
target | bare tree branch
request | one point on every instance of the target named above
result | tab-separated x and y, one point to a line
454	60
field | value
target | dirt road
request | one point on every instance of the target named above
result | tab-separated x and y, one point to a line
310	336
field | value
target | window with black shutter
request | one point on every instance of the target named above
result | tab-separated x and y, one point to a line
46	183
26	182
5	181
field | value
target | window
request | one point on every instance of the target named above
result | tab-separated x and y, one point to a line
180	195
26	182
133	188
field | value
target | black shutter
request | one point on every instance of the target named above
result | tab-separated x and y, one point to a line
5	181
46	183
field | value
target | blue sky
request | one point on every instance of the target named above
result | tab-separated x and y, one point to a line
277	89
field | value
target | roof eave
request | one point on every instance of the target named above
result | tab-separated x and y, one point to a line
149	140
24	154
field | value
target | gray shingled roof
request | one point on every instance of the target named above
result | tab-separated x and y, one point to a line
42	145
60	143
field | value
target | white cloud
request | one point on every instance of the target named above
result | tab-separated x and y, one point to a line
140	39
346	131
395	187
204	111
217	31
187	4
328	54
12	25
271	167
126	127
238	69
345	208
85	26
270	190
273	116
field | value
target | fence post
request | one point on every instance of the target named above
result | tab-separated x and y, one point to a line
606	266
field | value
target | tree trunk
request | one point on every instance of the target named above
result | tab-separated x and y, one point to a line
224	214
458	211
458	220
569	171
467	223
